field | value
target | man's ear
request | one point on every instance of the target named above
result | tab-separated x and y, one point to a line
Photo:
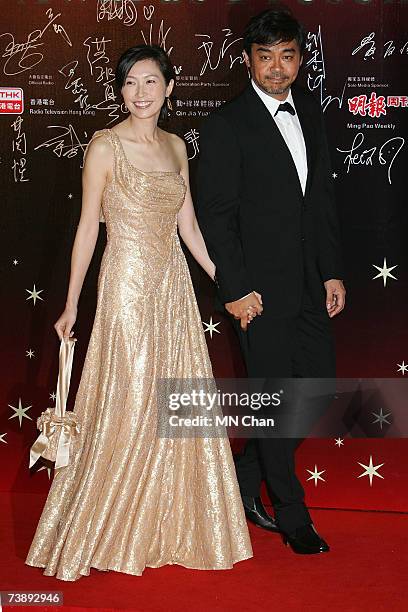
246	59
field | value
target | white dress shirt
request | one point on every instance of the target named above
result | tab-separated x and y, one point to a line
289	127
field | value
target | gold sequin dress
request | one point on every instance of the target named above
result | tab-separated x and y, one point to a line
130	499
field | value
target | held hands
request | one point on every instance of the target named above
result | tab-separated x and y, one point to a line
66	322
246	308
335	296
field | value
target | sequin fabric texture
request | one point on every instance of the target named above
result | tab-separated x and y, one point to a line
130	499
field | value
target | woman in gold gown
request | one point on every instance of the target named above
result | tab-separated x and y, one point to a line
130	499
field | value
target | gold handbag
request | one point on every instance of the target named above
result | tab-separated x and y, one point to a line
57	425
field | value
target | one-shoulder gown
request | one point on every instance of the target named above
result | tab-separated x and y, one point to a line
130	499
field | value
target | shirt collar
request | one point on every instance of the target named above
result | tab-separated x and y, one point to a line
271	103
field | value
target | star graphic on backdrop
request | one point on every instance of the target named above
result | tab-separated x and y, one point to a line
35	294
316	475
211	327
384	272
334	175
1	438
70	196
339	442
20	412
402	367
30	353
53	395
371	470
15	262
381	418
43	467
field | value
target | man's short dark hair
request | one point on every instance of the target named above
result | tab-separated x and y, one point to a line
273	26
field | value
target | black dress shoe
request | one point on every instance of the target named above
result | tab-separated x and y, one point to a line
306	541
256	513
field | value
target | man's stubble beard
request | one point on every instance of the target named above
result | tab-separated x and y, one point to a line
274	91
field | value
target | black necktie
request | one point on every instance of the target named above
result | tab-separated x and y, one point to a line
286	106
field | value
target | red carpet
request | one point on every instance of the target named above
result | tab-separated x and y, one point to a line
365	570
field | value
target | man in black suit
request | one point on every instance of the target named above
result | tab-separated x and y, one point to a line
266	209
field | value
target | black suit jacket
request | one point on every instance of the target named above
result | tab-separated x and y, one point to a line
261	232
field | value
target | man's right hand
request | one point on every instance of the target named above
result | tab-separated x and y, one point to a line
245	308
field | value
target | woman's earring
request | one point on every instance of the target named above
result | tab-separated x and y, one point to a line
169	104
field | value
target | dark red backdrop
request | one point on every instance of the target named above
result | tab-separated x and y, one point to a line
62	55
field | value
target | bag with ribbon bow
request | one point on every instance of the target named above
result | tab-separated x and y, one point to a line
58	426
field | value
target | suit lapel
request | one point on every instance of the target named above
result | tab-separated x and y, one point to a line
260	118
308	132
268	134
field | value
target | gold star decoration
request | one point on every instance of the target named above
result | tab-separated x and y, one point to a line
34	294
381	418
402	367
20	412
211	327
370	470
315	475
384	272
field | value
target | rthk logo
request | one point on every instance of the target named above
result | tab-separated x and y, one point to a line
11	100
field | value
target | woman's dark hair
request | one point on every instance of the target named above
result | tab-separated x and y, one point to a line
273	26
143	52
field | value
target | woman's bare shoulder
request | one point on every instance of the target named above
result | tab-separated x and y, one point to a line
100	146
177	144
175	139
